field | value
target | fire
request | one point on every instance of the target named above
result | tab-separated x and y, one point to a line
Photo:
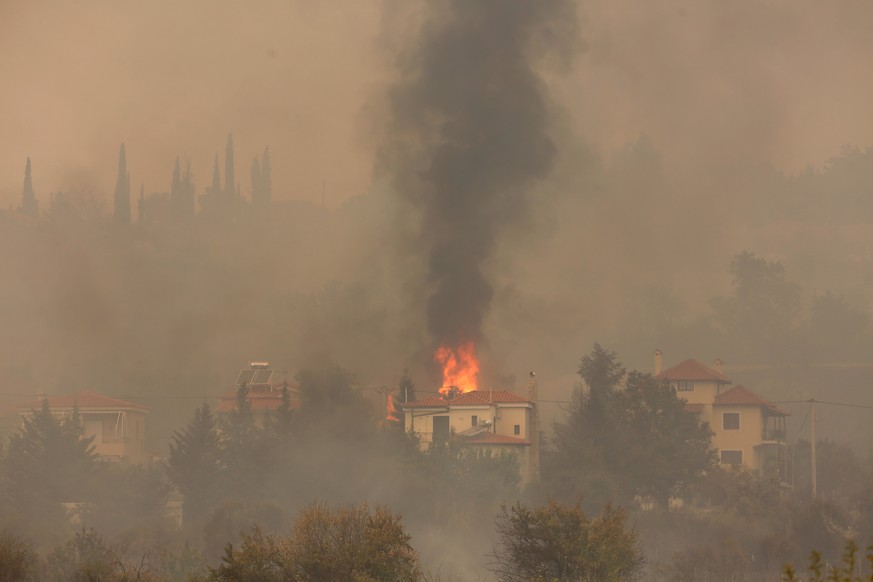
460	367
391	413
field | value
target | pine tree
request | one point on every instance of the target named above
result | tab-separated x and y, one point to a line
244	448
283	417
122	190
48	462
405	390
212	200
176	186
216	179
29	204
188	193
195	466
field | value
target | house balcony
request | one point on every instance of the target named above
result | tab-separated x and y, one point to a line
773	434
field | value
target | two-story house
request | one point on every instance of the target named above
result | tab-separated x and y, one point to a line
495	420
747	429
117	426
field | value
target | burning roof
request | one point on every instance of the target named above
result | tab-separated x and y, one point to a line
472	398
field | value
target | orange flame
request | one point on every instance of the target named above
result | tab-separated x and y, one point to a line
391	414
460	367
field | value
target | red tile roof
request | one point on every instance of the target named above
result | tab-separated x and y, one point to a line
489	438
85	401
475	397
740	395
692	370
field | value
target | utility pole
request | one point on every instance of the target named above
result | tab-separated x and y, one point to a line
812	444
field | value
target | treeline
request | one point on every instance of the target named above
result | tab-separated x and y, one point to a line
627	439
241	475
767	318
178	205
245	468
625	442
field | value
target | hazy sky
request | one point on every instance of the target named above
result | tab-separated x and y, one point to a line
787	82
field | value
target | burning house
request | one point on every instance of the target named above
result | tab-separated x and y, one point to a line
494	420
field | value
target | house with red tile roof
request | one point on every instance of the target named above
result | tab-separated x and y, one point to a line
263	388
117	426
748	430
495	420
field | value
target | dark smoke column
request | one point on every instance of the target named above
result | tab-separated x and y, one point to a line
472	107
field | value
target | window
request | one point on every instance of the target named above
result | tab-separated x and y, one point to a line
685	386
516	429
730	421
474	420
732	457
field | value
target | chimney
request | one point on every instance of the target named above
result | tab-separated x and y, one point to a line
534	428
659	362
718	365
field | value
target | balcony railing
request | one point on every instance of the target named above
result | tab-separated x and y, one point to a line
773	434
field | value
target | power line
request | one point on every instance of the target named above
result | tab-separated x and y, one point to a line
832	403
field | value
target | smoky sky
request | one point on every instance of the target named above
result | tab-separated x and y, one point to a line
470	103
784	82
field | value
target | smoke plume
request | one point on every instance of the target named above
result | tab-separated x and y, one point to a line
470	138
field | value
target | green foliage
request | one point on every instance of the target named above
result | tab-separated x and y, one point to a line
405	390
846	571
259	558
86	558
559	542
837	330
764	309
840	475
244	450
351	544
48	462
232	517
619	442
128	496
18	560
601	372
329	404
664	446
195	466
283	417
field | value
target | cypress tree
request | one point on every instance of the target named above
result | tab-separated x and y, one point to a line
212	201
176	186
180	197
29	204
122	190
188	192
216	178
229	176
